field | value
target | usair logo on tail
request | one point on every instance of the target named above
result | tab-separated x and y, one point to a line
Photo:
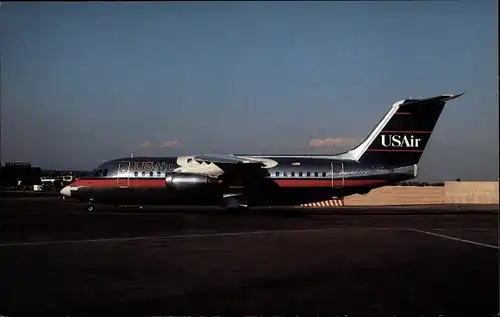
395	140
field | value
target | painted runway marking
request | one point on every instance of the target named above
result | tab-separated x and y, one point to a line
454	238
244	233
475	229
492	230
190	236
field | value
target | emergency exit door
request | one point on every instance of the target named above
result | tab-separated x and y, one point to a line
123	179
337	170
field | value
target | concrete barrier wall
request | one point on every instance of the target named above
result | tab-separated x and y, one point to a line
398	195
451	193
471	192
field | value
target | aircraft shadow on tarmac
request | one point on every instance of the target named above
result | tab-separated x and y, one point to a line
304	212
411	210
216	211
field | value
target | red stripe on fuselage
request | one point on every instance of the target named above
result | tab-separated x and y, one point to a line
160	182
413	132
120	182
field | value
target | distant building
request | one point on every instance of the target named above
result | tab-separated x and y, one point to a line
14	174
60	174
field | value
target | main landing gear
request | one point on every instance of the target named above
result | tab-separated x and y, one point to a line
234	204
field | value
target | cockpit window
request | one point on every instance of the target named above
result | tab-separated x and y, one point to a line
97	172
101	170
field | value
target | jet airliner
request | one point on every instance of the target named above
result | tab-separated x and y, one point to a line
389	154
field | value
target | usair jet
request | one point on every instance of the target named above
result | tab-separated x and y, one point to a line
389	154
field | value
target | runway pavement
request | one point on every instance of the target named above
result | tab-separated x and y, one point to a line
57	258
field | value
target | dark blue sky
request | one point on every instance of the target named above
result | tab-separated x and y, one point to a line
86	82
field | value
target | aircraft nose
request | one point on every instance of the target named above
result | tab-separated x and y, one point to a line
66	191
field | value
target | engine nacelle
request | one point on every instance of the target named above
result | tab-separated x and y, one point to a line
183	181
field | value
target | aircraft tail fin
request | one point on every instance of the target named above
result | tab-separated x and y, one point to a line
401	136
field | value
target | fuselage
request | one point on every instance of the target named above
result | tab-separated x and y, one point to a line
292	181
389	154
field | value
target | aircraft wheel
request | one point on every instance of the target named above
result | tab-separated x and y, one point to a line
237	207
234	204
91	208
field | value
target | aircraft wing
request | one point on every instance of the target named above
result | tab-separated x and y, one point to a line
216	165
227	159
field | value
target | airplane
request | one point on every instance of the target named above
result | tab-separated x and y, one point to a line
388	155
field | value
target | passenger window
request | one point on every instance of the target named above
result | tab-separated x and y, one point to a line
159	173
293	174
315	174
277	174
308	174
324	174
135	173
151	174
143	173
284	174
300	174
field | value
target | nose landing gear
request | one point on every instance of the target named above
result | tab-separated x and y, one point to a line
91	206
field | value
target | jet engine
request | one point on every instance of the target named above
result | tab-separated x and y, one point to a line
193	189
187	181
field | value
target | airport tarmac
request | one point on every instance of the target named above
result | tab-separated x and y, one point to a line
58	258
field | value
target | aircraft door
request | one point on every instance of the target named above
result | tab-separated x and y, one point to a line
123	179
337	169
